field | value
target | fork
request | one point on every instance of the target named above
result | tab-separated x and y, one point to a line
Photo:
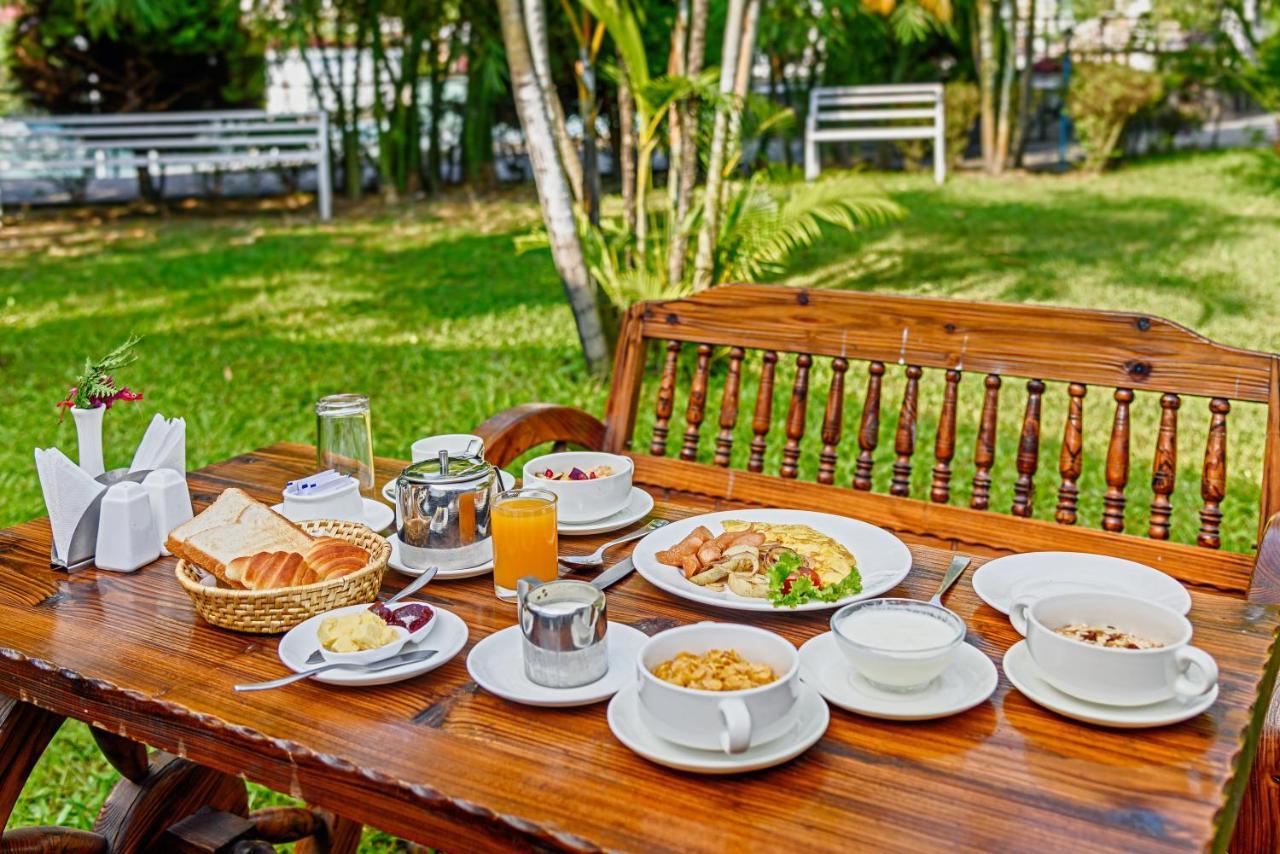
596	558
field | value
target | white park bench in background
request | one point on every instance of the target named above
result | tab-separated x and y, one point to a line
101	146
891	112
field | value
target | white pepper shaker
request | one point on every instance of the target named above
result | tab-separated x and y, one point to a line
126	531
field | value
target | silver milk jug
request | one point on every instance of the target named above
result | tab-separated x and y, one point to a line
563	625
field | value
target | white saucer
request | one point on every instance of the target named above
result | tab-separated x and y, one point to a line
497	665
448	636
505	479
1000	581
811	719
969	680
639	503
443	575
377	515
1025	676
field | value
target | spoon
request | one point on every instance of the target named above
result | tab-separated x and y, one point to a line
596	558
414	586
385	664
959	564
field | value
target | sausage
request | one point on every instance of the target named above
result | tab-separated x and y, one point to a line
691	565
709	553
669	557
750	538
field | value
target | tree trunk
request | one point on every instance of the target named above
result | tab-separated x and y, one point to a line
553	188
675	113
679	247
587	109
1009	18
535	17
1024	86
704	261
627	146
436	73
987	83
742	74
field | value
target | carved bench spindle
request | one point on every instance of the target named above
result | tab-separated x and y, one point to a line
697	402
869	429
729	407
1072	457
1028	451
904	443
832	422
1213	482
795	417
1164	467
666	399
984	454
763	416
1117	464
944	449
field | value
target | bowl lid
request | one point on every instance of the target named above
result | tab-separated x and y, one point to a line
457	467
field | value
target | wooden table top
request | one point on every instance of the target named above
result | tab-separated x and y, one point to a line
439	761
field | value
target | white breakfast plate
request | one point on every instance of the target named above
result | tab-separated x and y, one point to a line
1001	581
505	479
396	563
447	635
638	506
968	681
1025	676
883	560
811	718
497	665
377	516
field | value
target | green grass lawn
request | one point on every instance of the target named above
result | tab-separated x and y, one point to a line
428	309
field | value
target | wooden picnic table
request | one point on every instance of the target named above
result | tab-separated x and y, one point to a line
439	761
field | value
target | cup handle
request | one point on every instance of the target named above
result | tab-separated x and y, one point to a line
1018	614
1187	660
736	735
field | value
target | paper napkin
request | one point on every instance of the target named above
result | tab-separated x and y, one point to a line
68	492
163	446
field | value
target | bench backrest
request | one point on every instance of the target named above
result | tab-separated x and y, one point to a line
241	137
869	112
761	348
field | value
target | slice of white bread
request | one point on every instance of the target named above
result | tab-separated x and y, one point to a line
241	526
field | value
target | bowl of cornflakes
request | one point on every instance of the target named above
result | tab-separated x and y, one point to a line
718	686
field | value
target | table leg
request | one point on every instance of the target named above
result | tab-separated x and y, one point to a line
25	731
339	836
126	756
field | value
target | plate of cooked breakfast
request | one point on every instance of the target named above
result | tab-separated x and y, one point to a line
248	568
772	560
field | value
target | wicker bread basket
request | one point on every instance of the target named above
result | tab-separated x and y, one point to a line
267	612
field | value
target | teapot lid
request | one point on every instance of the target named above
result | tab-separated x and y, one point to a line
458	467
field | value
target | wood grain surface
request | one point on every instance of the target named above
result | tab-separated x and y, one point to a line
438	761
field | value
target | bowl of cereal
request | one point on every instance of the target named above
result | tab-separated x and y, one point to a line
718	686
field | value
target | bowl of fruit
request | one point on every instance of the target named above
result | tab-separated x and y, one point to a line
588	485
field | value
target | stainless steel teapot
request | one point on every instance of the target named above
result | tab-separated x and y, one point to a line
443	507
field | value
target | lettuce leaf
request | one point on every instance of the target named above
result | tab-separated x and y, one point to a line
802	589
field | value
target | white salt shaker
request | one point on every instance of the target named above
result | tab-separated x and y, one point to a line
126	532
170	502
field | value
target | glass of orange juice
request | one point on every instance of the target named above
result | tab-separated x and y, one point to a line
525	541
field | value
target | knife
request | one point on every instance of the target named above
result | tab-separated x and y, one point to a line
385	664
614	573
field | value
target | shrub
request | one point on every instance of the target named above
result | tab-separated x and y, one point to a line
1102	99
961	103
180	55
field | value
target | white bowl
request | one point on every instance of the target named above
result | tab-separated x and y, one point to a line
888	656
367	656
731	721
579	501
415	637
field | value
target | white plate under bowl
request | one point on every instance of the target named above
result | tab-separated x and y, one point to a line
448	635
810	714
1000	581
1025	676
882	559
497	665
638	506
396	563
377	516
969	681
505	479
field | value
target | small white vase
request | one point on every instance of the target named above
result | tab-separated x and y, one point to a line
89	435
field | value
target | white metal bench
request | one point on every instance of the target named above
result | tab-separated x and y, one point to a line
891	112
102	145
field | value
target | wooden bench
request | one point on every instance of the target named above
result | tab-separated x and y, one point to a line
99	145
864	113
758	348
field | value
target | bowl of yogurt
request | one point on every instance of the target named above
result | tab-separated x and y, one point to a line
898	644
